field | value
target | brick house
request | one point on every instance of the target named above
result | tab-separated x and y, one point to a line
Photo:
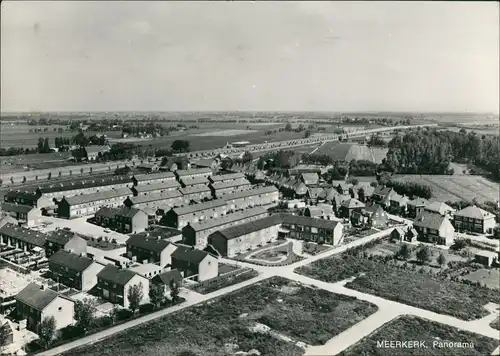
164	279
222	178
89	204
440	208
19	237
75	271
192	173
252	197
191	262
24	214
195	193
194	182
416	206
320	211
349	206
64	240
30	198
434	228
180	217
150	249
474	219
128	220
221	188
398	204
153	188
156	201
382	195
105	216
159	177
95	151
373	215
311	229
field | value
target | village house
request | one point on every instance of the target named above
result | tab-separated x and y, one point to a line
35	303
64	240
159	177
147	270
198	193
328	195
95	151
194	182
401	234
363	192
310	179
166	278
89	204
376	215
320	211
337	203
311	229
73	270
474	219
196	234
21	238
382	195
183	175
194	263
150	249
24	214
155	188
128	220
434	228
113	284
148	167
82	185
221	188
253	197
20	197
180	217
440	208
232	241
344	188
155	201
105	216
349	206
313	194
170	165
398	204
416	206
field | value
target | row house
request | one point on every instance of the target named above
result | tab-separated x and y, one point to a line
113	284
310	179
180	217
223	178
474	219
416	206
83	186
235	240
434	228
105	216
155	188
194	263
128	220
150	249
253	197
21	238
311	229
194	182
196	234
185	174
197	193
74	270
221	188
64	240
28	198
35	303
148	167
89	204
24	214
156	201
159	177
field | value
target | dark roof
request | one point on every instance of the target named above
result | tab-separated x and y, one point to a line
249	227
352	203
60	236
70	260
198	207
96	149
195	181
188	172
152	243
26	235
106	211
418	202
194	189
17	208
189	254
116	275
144	198
106	194
166	277
127	212
226	177
373	208
307	221
36	297
162	231
79	183
475	213
382	190
22	194
159	175
429	220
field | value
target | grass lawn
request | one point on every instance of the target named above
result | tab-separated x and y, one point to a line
490	277
223	283
310	315
418	329
495	324
420	290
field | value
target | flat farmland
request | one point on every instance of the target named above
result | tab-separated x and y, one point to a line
349	151
432	334
298	150
453	188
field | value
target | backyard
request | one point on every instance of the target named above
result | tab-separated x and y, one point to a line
222	326
281	253
407	328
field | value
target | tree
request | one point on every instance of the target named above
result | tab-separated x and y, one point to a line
135	295
12	180
180	146
307	134
404	252
24	179
288	127
46	146
81	170
174	290
47	331
84	313
441	259
90	170
156	294
247	157
60	173
496	231
70	172
1	181
361	194
49	175
3	334
424	254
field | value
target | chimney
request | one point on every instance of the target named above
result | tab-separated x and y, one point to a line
42	287
192	247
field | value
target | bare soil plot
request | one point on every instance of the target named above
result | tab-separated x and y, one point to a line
349	151
433	335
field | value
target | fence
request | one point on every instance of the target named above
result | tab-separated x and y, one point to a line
219	279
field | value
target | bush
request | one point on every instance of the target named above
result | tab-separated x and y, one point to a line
146	308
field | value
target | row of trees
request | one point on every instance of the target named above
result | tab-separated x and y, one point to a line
278	159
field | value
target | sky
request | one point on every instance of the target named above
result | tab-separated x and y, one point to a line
250	56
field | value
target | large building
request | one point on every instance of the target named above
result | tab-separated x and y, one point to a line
180	217
221	188
21	238
20	197
194	182
183	175
434	228
474	219
89	204
150	249
196	234
128	220
160	177
64	240
253	197
195	193
155	201
155	188
197	264
311	229
223	178
238	239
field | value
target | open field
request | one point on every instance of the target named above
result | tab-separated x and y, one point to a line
421	290
225	133
349	151
408	328
288	308
453	188
490	277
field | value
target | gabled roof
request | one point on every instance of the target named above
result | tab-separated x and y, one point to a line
116	275
352	203
475	212
150	243
96	149
61	237
145	198
189	254
310	178
168	276
249	227
383	191
429	220
106	212
194	190
226	219
307	221
128	212
153	176
301	188
401	199
26	235
161	186
22	194
36	297
70	260
344	186
418	202
106	194
438	207
230	184
373	208
328	194
250	192
80	183
198	207
188	172
314	192
194	181
17	208
226	177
